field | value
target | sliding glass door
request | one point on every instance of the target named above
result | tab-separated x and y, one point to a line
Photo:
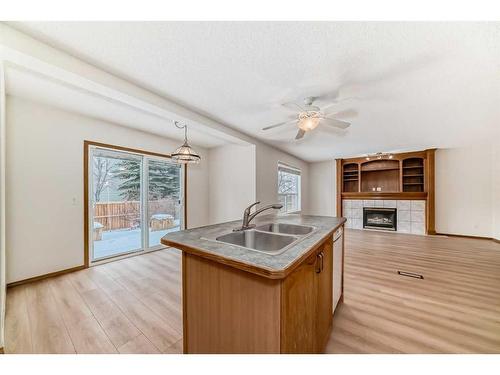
164	211
134	199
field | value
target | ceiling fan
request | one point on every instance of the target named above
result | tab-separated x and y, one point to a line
310	116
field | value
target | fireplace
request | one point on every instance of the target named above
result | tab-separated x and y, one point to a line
380	218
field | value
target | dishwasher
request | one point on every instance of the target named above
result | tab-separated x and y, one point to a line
338	257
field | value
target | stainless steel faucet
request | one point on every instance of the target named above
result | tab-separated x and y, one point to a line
247	217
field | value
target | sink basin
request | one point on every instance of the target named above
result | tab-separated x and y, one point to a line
261	241
293	229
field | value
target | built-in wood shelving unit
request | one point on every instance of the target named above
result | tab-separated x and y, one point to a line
413	175
351	177
400	176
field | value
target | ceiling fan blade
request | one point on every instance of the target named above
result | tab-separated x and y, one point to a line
343	114
300	134
293	106
280	124
335	123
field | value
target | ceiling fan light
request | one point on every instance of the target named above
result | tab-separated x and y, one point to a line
308	123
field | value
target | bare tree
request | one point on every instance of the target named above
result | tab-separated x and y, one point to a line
102	175
286	183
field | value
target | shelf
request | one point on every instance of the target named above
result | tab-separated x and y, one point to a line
407	174
350	177
417	195
380	169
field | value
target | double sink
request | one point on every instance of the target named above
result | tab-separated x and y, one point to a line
272	238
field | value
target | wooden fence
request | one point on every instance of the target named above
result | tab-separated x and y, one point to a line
126	215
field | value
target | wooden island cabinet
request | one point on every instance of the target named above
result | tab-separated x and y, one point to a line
228	310
232	307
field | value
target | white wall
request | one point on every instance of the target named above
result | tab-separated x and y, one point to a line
322	188
464	194
231	181
45	184
267	175
2	205
496	191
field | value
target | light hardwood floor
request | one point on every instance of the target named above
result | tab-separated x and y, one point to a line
128	306
134	305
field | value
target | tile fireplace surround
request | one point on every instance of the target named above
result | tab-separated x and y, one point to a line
411	213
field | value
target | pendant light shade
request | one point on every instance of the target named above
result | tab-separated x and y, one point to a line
185	154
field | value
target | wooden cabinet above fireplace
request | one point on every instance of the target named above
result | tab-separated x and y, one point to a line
401	173
408	176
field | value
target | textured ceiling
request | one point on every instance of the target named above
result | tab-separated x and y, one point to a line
415	84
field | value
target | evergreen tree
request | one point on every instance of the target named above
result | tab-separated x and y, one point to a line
164	179
129	173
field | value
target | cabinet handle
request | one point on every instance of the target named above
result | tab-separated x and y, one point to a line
322	263
318	263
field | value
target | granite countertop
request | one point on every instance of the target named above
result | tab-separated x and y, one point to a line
200	241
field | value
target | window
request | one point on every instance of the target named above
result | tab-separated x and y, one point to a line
289	188
134	200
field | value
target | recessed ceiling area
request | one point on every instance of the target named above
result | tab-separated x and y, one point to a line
414	85
35	87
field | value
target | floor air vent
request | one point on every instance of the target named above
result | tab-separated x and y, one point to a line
410	274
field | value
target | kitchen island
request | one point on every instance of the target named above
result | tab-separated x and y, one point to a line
263	290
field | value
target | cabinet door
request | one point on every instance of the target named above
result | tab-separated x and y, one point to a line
298	308
324	303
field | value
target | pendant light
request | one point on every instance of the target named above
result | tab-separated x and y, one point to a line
185	154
